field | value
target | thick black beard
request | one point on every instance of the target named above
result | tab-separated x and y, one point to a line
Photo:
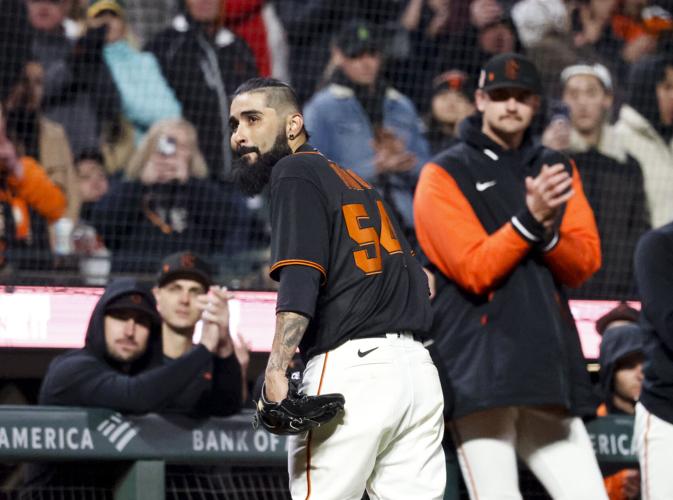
251	178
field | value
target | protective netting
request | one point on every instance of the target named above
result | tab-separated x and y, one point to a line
124	106
236	483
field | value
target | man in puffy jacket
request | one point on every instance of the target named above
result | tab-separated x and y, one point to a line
505	223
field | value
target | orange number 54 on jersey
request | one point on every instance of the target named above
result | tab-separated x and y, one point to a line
370	262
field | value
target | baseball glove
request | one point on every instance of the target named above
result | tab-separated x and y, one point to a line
296	413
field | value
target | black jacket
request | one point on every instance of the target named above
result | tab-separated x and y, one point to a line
616	194
502	325
88	377
654	275
208	218
203	71
618	341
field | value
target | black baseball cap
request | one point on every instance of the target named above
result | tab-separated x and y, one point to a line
510	70
185	265
133	301
623	312
453	79
358	37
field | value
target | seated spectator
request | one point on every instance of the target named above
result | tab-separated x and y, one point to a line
621	379
93	183
166	204
311	27
204	63
594	34
490	32
79	92
452	101
544	30
41	138
645	129
185	292
92	180
145	95
621	362
121	367
640	26
362	123
29	202
425	26
612	179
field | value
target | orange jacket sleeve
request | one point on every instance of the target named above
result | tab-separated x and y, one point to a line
615	484
578	253
453	238
38	191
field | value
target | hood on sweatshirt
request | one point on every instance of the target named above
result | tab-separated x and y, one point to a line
95	334
618	342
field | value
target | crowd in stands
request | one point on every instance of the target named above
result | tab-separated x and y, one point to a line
385	86
114	116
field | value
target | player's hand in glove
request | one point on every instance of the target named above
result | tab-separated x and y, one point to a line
297	412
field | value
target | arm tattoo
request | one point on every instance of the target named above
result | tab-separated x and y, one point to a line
290	328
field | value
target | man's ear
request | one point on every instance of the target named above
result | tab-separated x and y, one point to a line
155	292
480	100
337	57
294	125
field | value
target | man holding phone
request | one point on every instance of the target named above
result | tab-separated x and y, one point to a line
505	223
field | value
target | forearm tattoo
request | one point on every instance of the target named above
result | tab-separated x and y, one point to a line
290	328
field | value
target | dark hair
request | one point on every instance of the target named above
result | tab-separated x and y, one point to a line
15	45
93	154
277	92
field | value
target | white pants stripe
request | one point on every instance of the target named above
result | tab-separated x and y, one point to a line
654	444
388	440
554	446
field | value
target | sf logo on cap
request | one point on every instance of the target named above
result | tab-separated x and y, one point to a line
187	260
512	69
136	299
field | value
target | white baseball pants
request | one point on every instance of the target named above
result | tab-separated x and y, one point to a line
654	443
554	446
389	438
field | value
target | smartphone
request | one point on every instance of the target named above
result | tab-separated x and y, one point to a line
166	145
558	110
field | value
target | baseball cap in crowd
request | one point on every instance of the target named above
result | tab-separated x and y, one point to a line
596	70
455	80
98	7
623	312
510	70
133	302
185	265
357	37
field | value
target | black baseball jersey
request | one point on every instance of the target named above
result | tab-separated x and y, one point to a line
331	220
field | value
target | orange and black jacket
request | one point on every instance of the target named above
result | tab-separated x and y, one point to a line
502	324
28	204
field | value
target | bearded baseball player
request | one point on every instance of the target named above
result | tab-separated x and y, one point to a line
505	223
368	412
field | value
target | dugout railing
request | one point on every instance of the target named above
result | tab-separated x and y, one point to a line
149	442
